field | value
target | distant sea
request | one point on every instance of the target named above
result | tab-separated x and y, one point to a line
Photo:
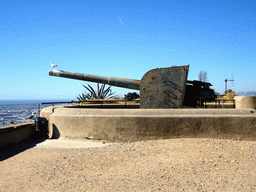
26	102
11	103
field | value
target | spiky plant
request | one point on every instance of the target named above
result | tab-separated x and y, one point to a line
97	93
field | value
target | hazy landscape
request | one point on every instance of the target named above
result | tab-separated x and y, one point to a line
247	93
20	111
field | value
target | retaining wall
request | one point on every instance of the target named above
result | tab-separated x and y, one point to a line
16	133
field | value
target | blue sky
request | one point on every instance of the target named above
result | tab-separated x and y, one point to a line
123	39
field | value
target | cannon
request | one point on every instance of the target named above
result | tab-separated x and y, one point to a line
159	88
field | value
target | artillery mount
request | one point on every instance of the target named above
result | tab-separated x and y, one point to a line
159	88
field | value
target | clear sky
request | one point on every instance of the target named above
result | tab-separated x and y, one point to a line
123	38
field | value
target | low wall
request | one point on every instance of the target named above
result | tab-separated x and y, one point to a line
13	134
144	124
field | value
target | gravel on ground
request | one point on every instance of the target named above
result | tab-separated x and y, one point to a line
189	164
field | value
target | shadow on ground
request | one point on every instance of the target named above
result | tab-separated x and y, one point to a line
12	150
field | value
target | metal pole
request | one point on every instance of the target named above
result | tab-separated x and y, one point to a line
226	85
38	109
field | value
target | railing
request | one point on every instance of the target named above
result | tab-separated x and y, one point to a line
101	102
221	101
52	103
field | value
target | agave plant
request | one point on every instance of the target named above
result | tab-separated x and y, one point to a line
101	93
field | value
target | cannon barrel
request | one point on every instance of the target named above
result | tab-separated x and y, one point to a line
115	81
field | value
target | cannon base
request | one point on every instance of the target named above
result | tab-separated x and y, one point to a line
144	124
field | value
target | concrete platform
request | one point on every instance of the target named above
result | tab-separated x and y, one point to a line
143	124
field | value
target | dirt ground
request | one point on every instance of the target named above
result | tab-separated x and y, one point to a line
162	165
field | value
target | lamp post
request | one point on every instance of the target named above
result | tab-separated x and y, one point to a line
226	80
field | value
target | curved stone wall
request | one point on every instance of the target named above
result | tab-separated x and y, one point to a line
143	124
245	102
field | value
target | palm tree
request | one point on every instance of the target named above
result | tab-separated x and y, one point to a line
101	93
